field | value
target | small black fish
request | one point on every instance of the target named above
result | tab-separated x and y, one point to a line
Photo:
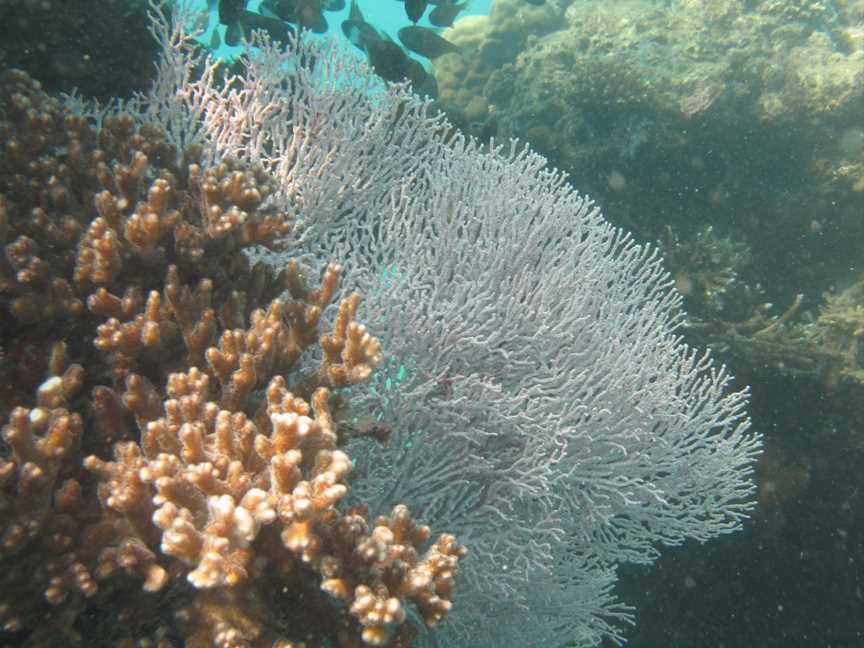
275	28
428	86
282	9
389	61
392	63
354	13
359	33
215	39
443	15
306	13
414	9
229	11
425	42
234	34
416	73
311	16
249	21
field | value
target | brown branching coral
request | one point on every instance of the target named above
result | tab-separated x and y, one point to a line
820	347
167	438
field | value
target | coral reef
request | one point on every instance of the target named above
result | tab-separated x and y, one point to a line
706	269
172	459
741	115
489	42
682	58
744	117
542	404
818	345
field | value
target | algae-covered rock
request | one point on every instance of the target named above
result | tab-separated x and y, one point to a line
488	43
686	113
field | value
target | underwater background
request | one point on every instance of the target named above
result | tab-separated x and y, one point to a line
729	134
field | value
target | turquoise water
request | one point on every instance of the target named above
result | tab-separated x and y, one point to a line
386	15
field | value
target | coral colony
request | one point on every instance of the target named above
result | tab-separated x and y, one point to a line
202	445
167	355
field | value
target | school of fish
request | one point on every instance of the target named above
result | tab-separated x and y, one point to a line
389	59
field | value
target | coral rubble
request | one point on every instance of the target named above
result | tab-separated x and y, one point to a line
172	458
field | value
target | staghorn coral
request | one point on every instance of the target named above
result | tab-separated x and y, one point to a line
173	459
